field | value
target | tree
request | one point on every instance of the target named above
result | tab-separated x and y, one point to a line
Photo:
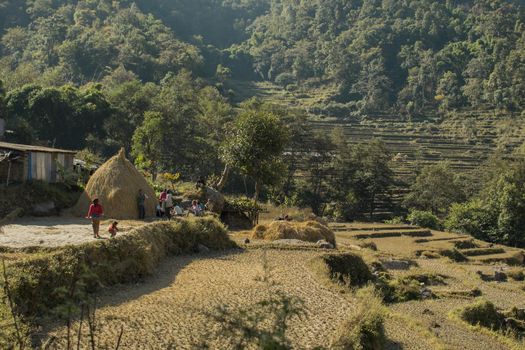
435	189
64	117
256	145
149	142
362	174
374	175
449	92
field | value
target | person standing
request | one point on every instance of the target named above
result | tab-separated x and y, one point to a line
168	204
162	202
95	213
141	202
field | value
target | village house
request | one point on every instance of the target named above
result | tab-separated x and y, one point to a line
21	163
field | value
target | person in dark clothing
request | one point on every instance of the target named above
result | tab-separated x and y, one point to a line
141	202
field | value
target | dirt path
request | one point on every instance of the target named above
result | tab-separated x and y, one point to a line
53	231
171	309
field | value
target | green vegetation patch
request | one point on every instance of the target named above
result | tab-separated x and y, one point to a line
484	313
365	329
25	196
39	284
407	287
345	268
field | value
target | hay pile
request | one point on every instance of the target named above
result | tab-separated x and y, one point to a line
309	231
116	184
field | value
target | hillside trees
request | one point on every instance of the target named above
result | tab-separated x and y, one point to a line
397	54
185	124
64	117
361	174
496	213
435	189
81	42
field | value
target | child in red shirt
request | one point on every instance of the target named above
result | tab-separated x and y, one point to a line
113	229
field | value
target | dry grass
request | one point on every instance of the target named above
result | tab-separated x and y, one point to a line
309	231
364	330
116	184
171	310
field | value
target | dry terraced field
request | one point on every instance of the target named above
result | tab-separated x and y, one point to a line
177	307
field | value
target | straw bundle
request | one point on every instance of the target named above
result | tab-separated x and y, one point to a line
310	231
116	184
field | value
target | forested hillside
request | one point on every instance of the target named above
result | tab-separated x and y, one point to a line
169	79
411	56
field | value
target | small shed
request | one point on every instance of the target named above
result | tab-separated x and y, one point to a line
20	163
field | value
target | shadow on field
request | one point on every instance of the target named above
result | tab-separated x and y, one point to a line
165	275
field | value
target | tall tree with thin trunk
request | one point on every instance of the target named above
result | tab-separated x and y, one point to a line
256	145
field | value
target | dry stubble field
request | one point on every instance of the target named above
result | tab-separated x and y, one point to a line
174	308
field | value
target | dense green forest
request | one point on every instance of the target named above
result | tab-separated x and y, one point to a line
161	78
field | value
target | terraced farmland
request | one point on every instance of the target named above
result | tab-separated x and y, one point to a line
175	308
464	139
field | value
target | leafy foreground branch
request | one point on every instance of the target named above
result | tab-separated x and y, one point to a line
365	329
264	323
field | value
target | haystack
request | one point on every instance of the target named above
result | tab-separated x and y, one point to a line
116	184
309	231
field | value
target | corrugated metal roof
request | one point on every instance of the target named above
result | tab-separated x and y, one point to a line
29	148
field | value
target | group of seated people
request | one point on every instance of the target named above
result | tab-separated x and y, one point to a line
166	207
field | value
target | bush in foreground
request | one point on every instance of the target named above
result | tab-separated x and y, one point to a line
365	330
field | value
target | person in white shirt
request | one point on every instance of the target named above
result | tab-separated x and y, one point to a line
168	204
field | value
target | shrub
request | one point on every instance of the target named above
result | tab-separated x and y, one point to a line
399	289
395	221
365	330
424	219
35	281
472	218
346	268
482	251
483	313
405	288
428	278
